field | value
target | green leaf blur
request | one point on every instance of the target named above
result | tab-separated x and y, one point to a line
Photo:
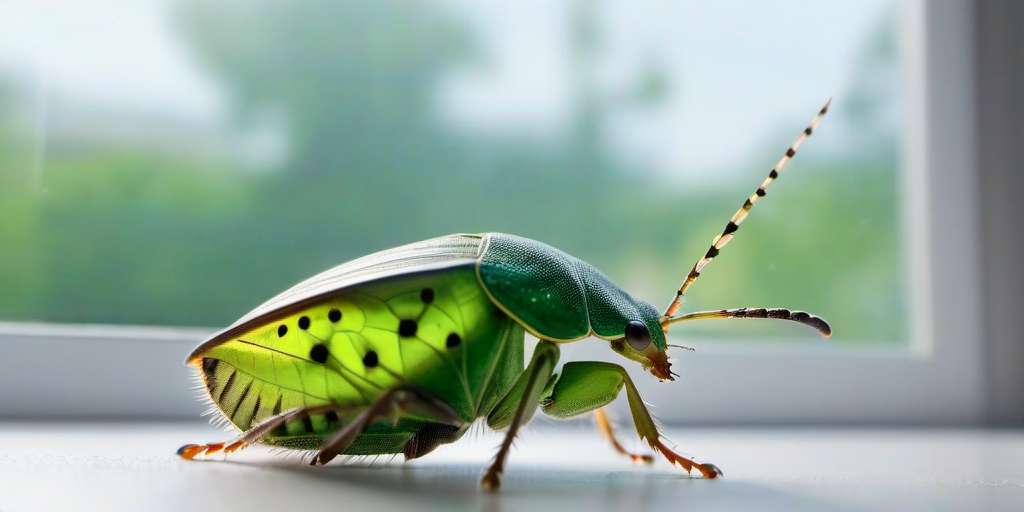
145	236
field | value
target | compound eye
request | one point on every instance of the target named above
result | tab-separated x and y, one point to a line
637	335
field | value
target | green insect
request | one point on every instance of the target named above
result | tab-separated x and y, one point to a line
402	350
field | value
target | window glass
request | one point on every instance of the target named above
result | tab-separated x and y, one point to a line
179	162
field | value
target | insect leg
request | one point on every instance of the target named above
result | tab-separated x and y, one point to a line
589	385
429	437
604	425
258	432
522	402
394	403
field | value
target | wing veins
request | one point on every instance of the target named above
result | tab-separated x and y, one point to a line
293	357
462	377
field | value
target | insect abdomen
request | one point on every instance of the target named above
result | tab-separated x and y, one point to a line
245	400
437	331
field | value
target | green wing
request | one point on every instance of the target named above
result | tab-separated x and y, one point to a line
437	253
432	330
414	314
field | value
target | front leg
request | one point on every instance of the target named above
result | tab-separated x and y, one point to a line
587	386
518	406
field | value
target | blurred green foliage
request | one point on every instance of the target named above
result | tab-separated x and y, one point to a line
132	236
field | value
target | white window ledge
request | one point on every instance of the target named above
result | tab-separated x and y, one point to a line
132	466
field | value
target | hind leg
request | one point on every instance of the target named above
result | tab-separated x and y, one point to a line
429	437
258	432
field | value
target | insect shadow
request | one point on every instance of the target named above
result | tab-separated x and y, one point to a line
532	486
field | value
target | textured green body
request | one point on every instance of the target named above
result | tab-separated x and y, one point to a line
445	315
557	296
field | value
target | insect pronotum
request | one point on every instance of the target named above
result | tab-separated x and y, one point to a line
402	350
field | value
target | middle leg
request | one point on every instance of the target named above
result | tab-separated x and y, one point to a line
518	406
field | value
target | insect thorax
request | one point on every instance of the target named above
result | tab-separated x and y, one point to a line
556	295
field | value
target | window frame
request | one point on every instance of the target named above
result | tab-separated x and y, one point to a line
938	376
138	371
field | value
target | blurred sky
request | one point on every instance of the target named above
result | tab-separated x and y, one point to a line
127	55
137	127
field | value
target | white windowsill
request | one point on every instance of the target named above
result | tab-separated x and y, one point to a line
132	466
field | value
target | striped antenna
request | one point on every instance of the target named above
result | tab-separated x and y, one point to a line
802	317
737	218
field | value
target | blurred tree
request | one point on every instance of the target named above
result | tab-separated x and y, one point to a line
354	79
873	109
127	235
369	156
21	273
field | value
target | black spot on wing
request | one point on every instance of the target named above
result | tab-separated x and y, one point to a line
407	328
453	340
319	353
370	359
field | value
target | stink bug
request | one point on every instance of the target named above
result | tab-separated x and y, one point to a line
402	350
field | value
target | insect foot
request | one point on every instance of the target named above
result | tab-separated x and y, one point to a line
707	470
491	481
645	459
710	469
189	451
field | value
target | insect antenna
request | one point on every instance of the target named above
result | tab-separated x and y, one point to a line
802	317
729	232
